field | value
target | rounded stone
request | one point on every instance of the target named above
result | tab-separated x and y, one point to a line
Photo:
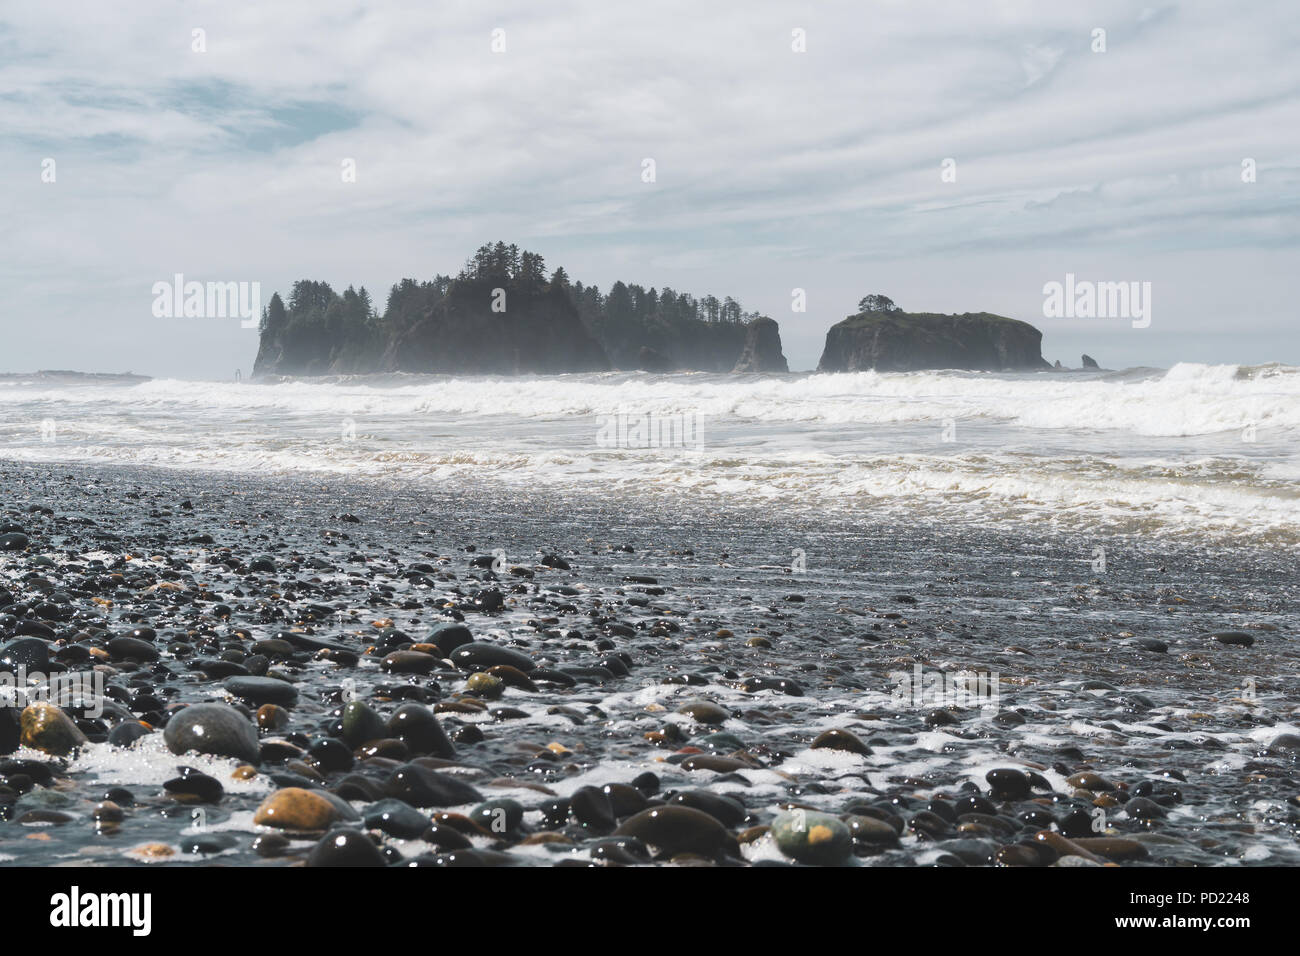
30	653
870	831
449	636
216	729
1008	783
415	725
361	724
498	816
396	818
421	787
296	808
485	685
677	829
480	656
1234	638
48	729
132	648
14	541
262	690
345	847
812	837
840	740
704	711
409	662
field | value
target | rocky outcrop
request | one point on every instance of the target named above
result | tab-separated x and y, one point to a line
762	352
897	341
538	332
685	345
501	315
1090	362
531	330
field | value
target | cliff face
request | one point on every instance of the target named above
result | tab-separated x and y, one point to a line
904	341
762	352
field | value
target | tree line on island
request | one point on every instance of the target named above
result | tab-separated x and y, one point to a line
450	323
503	314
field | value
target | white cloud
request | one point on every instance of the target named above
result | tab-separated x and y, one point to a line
775	168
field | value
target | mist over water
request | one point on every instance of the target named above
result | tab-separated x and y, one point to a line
1201	450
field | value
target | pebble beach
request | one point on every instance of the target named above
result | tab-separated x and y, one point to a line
324	671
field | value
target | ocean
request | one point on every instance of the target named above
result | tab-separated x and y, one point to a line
1194	451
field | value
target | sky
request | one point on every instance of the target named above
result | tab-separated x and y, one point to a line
795	146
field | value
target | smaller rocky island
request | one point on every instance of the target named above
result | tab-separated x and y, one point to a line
884	338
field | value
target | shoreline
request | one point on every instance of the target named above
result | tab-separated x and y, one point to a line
687	659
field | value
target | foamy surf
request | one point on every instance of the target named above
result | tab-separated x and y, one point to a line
1197	449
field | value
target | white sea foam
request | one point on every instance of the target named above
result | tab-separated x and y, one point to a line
1195	449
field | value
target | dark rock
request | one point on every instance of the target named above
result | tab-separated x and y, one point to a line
30	653
396	818
704	711
871	831
728	811
330	756
1234	638
361	724
837	739
208	843
10	730
345	847
409	662
449	636
421	787
679	830
762	349
262	690
498	816
132	648
480	656
592	808
416	726
1008	784
195	784
752	685
216	729
14	541
900	341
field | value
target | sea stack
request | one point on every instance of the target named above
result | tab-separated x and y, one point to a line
887	339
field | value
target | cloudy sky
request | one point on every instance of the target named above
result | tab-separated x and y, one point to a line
775	169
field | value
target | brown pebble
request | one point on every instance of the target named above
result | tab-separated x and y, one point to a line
1113	848
1063	846
512	677
837	739
1090	781
272	717
107	812
295	808
1017	854
154	851
535	839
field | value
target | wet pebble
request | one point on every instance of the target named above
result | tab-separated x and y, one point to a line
216	729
